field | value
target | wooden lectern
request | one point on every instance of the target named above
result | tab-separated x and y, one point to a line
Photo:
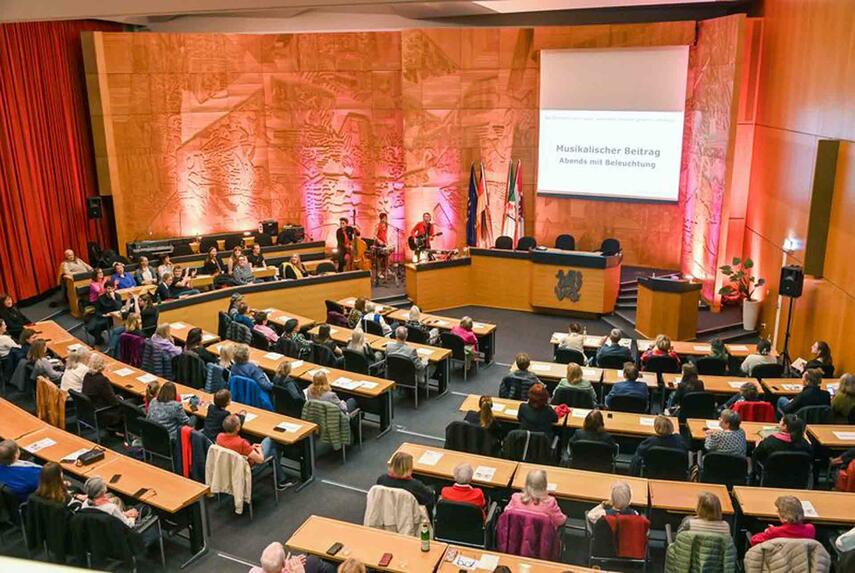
669	307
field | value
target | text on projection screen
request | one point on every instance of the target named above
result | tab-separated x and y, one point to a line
611	122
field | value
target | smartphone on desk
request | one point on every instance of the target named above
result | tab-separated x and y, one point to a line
385	560
334	549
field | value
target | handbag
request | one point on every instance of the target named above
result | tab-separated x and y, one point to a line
90	457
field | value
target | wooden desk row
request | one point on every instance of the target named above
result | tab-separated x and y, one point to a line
681	347
165	491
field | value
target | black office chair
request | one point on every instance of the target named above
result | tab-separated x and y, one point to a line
323	355
463	523
662	364
417	335
285	347
87	415
156	442
505	243
458	350
189	370
710	366
565	242
372	327
515	388
283	403
464	437
632	404
325	267
530	447
793	470
98	537
768	371
666	463
259	341
568	355
610	247
815	414
526	243
592	456
698	405
725	469
572	397
357	362
10	516
403	372
612	362
132	413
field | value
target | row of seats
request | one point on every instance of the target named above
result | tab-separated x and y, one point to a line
564	242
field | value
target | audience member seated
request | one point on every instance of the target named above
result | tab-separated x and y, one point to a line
762	356
132	324
72	264
537	415
243	367
75	369
96	285
234	301
255	454
371	315
212	265
484	418
574	339
792	515
821	358
842	404
256	258
234	259
463	330
535	498
414	320
661	347
400	475
262	326
707	518
399	347
165	267
520	368
242	272
728	438
629	386
283	380
164	288
151	390
357	344
21	477
98	389
302	347
320	389
689	382
275	560
162	339
462	490
145	274
168	411
747	393
148	313
593	430
15	320
97	497
790	437
843	459
217	413
53	487
811	395
612	348
354	317
664	438
193	345
107	303
182	283
242	316
121	278
352	565
718	351
295	269
25	342
574	379
50	368
324	338
7	343
618	503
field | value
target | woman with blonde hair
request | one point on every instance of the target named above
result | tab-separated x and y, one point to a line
535	498
574	379
320	390
400	475
414	321
843	403
162	339
75	369
661	347
620	498
357	344
665	437
708	516
227	355
352	565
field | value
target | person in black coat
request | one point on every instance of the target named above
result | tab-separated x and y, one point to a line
789	438
98	389
194	344
537	415
664	438
107	303
812	395
689	382
217	412
484	418
15	320
400	475
283	380
821	358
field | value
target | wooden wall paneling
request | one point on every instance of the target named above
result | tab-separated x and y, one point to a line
501	283
443	288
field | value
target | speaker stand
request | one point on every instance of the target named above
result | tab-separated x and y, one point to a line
785	354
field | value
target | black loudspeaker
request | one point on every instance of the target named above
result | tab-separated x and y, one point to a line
93	207
792	281
270	227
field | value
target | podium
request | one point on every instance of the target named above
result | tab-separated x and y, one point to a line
669	307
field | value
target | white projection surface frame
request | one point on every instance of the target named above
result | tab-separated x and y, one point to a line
611	122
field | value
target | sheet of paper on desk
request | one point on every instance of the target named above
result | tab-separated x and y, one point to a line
249	417
296	364
72	457
512	413
346	383
551	486
424	352
430	458
559	336
289	427
646	421
479	325
441	322
207	337
593	341
465	562
736	384
178	325
540	368
712	424
40	445
146	378
810	510
848	436
484	473
625	342
124	372
792	387
498	407
488	562
738	347
367	385
273	356
589	372
333	330
316	370
578	412
701	348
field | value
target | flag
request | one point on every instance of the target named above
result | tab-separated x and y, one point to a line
519	192
471	210
510	228
484	225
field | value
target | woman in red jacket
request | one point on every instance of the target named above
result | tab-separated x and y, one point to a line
462	490
792	516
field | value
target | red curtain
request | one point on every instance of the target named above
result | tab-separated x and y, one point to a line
47	164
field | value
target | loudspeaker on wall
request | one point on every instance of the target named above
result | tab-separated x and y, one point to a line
93	207
792	281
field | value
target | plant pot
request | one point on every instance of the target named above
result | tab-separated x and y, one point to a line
750	314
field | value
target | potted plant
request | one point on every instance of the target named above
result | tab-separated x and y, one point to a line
741	288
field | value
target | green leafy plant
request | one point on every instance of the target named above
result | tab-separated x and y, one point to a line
742	282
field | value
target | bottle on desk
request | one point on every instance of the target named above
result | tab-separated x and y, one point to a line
425	536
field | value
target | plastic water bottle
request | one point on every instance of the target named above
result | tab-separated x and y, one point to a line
425	536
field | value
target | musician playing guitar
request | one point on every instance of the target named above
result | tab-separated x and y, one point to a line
423	232
381	241
344	237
